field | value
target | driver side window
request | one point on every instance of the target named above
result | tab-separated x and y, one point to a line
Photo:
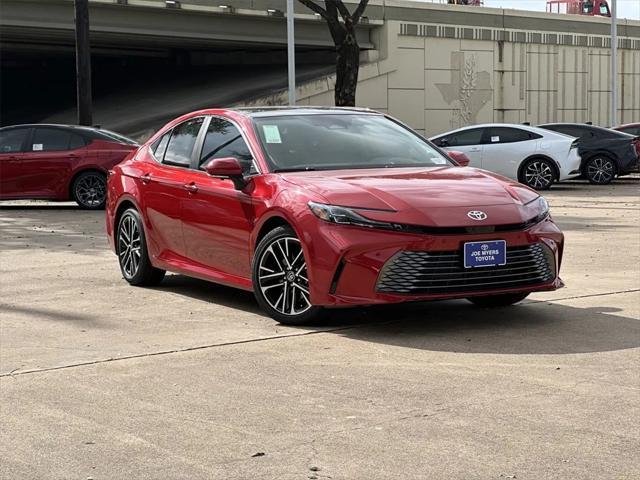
223	139
465	138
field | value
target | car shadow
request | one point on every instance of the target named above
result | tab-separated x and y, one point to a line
209	292
42	206
530	328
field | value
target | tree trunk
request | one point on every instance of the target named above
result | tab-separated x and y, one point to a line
347	65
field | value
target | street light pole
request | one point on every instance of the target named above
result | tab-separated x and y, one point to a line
83	62
614	64
291	54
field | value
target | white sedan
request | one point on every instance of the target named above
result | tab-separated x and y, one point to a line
533	156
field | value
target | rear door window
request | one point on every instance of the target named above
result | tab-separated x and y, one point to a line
223	139
571	130
54	140
509	135
183	139
12	141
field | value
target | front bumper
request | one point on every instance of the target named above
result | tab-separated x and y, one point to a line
349	264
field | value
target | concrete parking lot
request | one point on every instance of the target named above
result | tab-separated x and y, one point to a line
190	380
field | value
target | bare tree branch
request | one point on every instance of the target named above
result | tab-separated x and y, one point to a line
311	5
359	11
344	12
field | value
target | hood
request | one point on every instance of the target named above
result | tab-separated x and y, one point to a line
436	196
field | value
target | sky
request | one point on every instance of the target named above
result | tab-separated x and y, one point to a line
626	8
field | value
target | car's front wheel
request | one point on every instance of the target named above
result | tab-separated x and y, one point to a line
281	279
600	170
131	247
493	301
538	173
89	190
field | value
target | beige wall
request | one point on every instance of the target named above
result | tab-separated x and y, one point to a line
436	77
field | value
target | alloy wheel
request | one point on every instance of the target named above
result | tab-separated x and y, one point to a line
129	245
90	190
538	174
600	170
282	277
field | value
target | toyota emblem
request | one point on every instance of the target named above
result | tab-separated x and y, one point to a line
477	215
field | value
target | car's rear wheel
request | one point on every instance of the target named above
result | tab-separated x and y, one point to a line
493	301
538	173
281	280
89	190
131	247
600	170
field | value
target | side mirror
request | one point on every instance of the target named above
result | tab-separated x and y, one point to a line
443	142
460	158
228	167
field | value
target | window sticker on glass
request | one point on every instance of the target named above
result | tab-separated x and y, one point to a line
495	139
37	147
271	134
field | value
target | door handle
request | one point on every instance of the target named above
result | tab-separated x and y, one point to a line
191	187
474	149
146	178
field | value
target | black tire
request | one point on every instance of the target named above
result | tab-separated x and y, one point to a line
89	190
600	170
538	173
493	301
286	300
135	265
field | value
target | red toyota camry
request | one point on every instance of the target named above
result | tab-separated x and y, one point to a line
59	162
315	208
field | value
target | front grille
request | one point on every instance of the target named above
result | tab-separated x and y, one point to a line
444	272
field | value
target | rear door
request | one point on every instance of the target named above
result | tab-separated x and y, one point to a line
163	185
468	141
49	161
13	142
217	218
505	148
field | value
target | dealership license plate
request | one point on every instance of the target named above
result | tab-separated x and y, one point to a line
485	254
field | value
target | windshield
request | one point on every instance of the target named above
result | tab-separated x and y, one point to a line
342	141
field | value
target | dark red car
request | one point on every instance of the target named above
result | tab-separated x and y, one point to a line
314	208
631	129
59	162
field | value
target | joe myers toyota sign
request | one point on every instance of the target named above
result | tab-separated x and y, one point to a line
485	254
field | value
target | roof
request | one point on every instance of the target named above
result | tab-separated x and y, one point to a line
528	128
281	111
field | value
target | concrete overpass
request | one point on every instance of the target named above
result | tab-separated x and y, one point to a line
521	66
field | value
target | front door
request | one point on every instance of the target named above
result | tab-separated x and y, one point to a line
217	218
468	142
162	182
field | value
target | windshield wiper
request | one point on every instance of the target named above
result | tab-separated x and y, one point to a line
295	169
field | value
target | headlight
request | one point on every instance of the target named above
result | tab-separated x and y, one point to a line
541	207
346	216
